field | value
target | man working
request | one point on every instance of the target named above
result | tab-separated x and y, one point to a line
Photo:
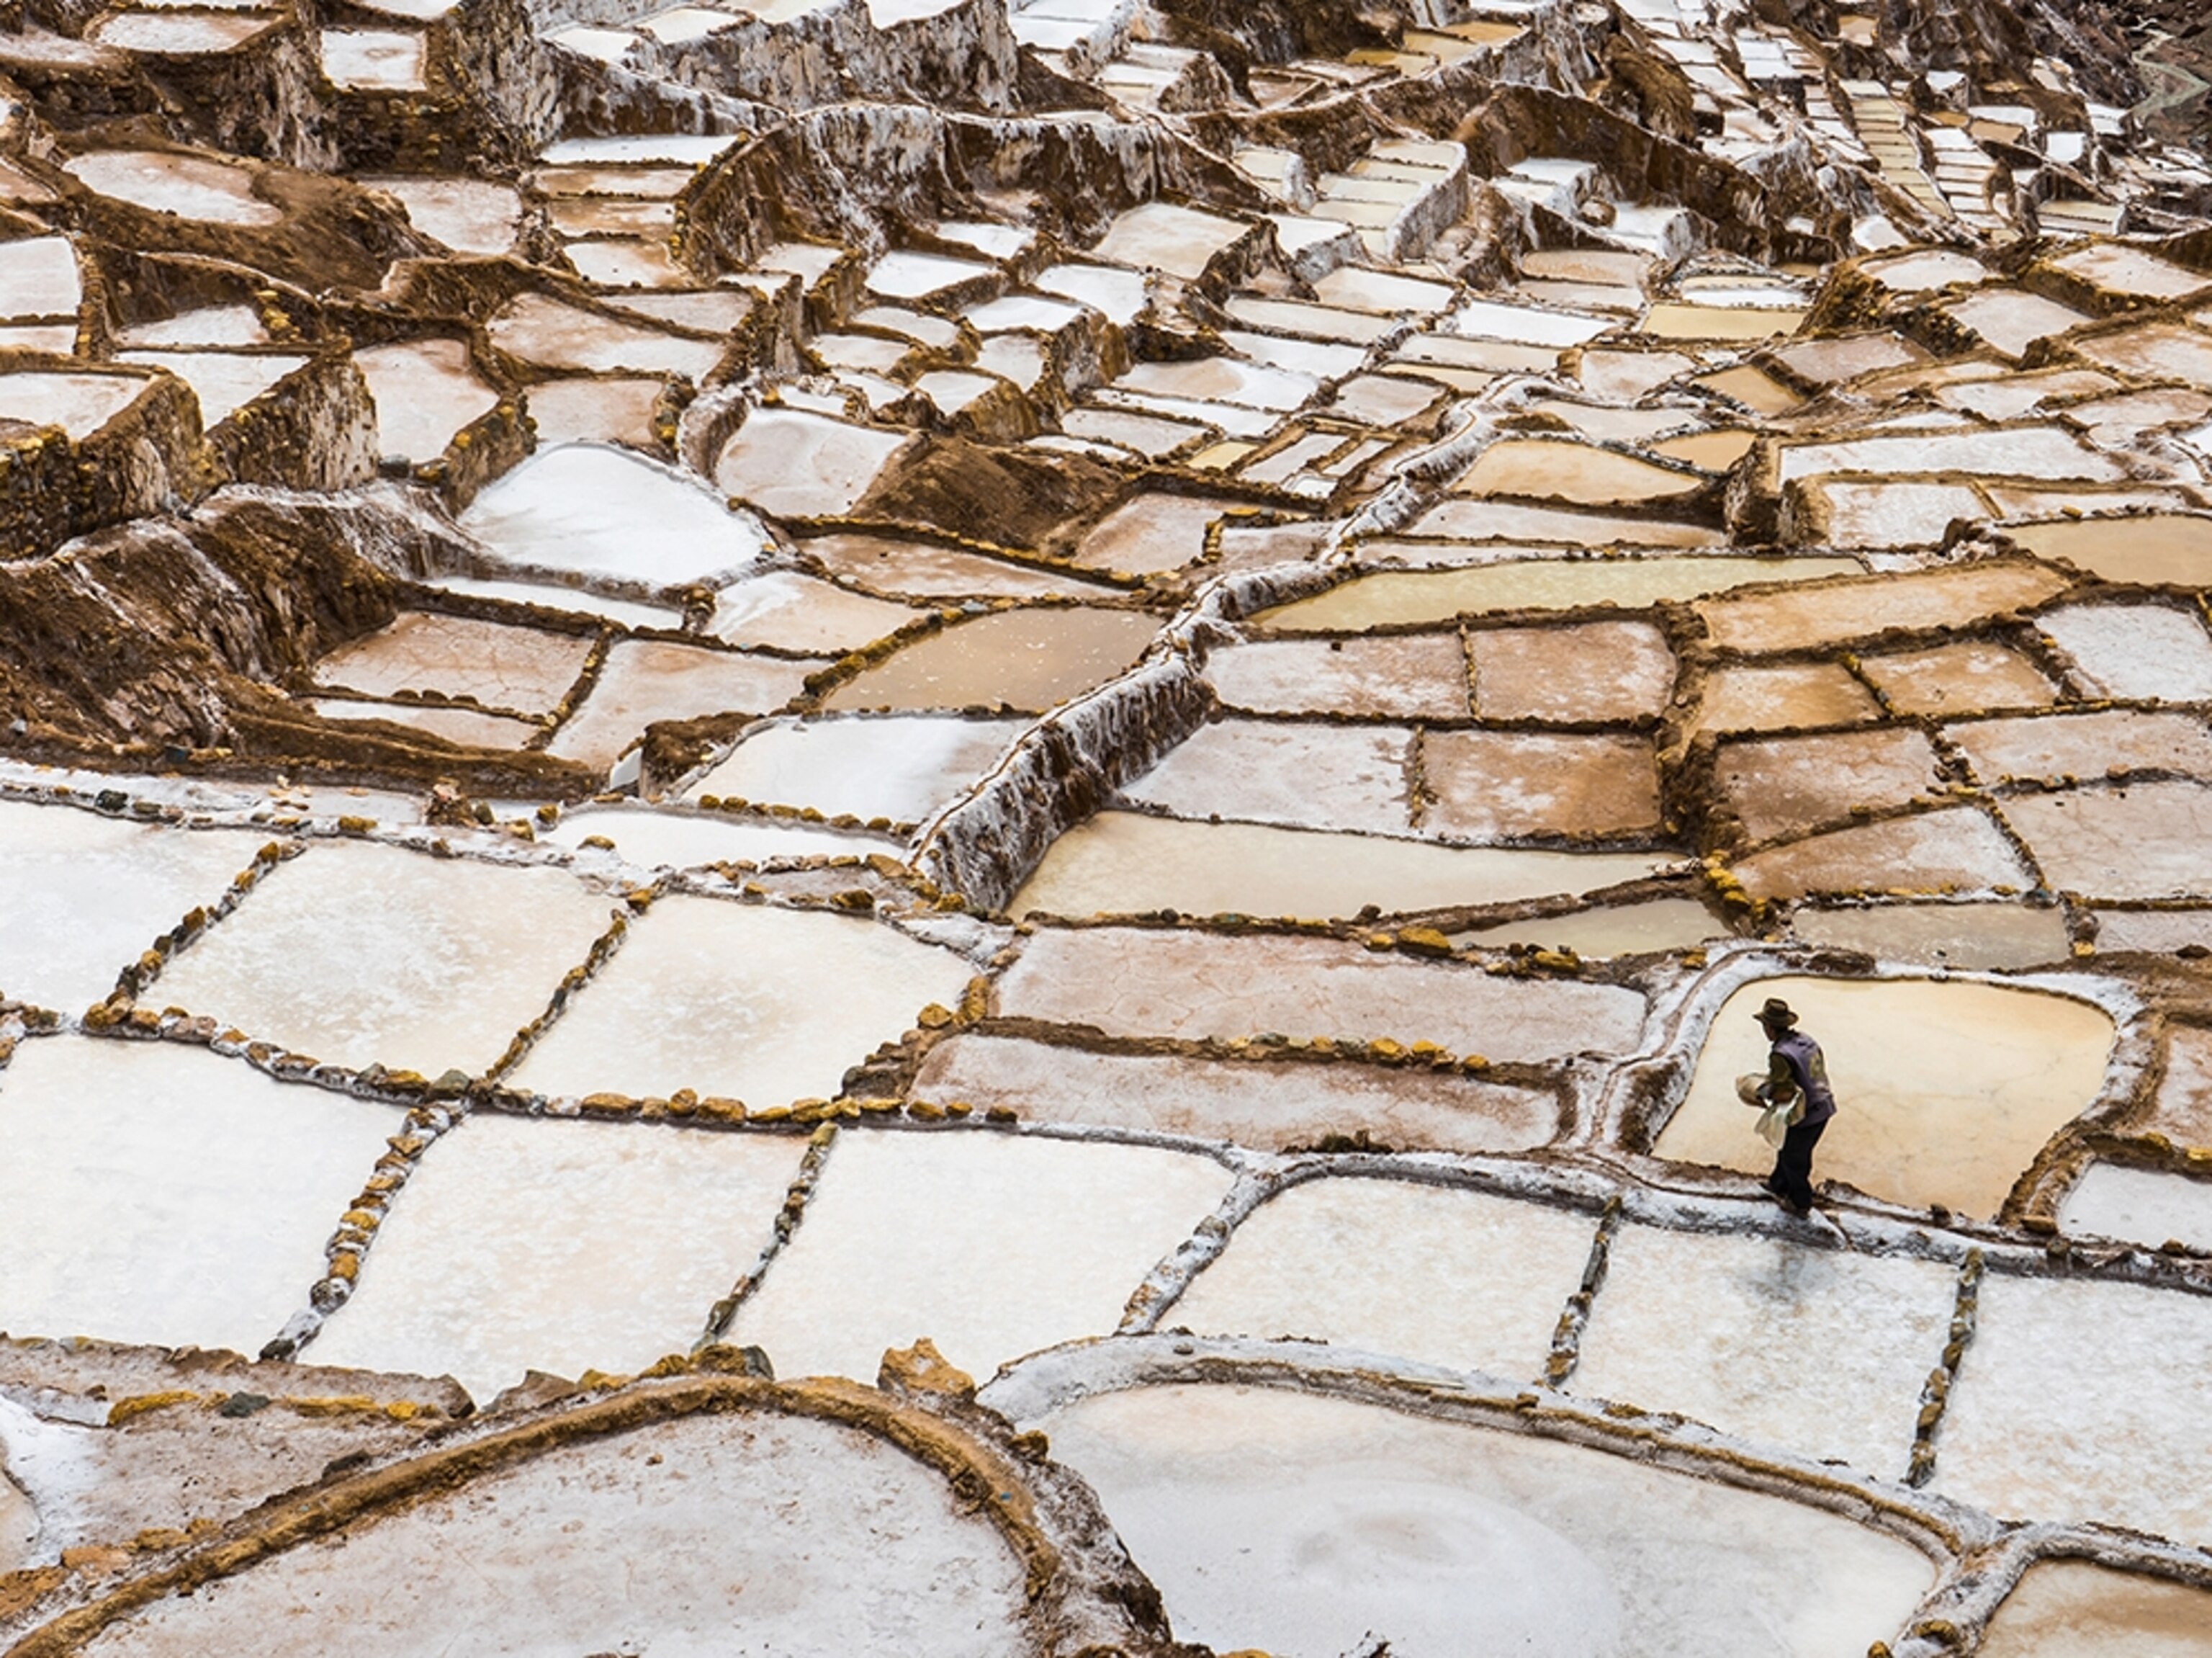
1795	1064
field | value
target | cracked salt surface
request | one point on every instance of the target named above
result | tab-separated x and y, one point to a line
2140	1205
1315	1525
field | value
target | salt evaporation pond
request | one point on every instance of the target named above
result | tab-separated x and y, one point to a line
1758	1306
786	611
1659	923
1945	1091
85	894
1992	936
679	840
763	1004
592	515
2140	1205
1313	1526
473	1276
903	769
1274	1107
190	186
2082	1401
993	1247
2076	1609
1125	863
357	954
1320	1263
797	465
1383	598
848	1546
155	1192
1029	660
1134	981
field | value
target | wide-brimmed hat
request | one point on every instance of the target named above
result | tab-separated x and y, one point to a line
1777	1012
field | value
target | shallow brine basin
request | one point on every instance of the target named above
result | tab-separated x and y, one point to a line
1316	1263
623	1544
991	1245
1122	863
468	1280
190	186
1315	1524
1027	660
153	1193
1945	1091
1398	596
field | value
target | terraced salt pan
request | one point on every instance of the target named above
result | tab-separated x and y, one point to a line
681	840
526	1244
1957	679
2148	651
1662	923
903	569
1321	1262
2140	1206
1162	237
1490	785
797	465
469	216
1548	469
2158	931
190	186
625	1546
2084	1401
174	34
2064	747
1409	677
1991	937
206	325
2149	550
2073	1609
465	726
1388	597
1131	982
2144	840
904	768
222	381
376	60
783	610
1274	1107
153	1193
85	894
39	277
991	1245
1952	848
1789	785
1758	1307
572	515
1945	1091
1795	619
525	669
757	1003
643	680
1768	697
1325	777
80	404
1124	862
1315	1524
426	390
357	954
1150	531
1474	518
549	334
1030	659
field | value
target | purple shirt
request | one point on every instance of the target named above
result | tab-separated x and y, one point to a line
1801	1055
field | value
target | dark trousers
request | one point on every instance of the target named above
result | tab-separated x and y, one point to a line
1792	1179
